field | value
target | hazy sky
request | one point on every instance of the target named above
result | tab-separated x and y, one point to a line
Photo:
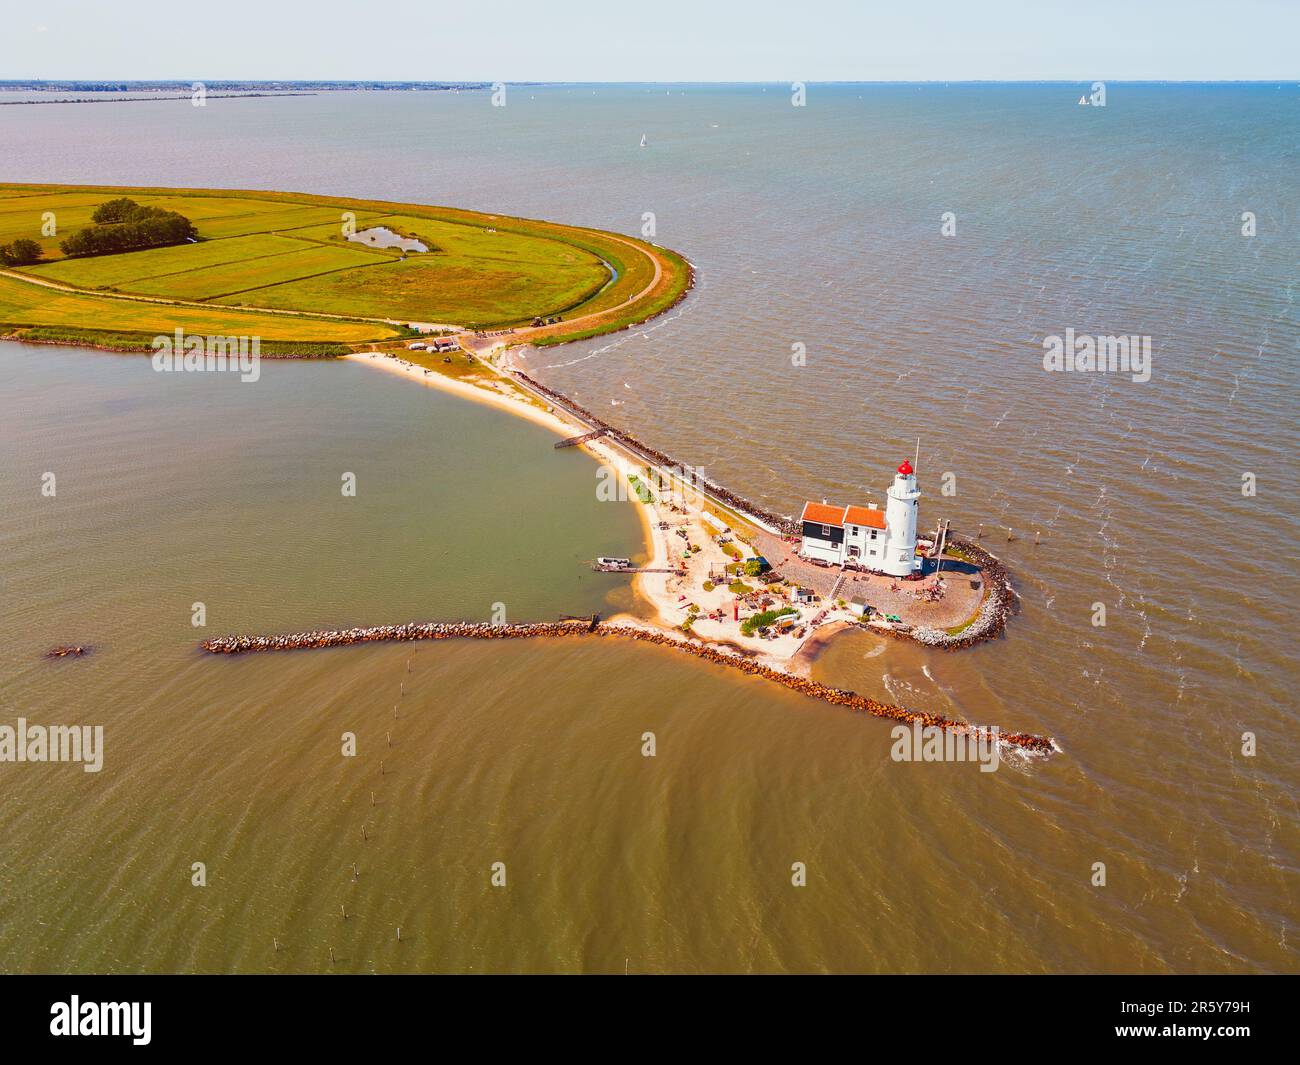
659	40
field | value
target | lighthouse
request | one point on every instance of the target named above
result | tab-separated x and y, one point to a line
900	521
866	538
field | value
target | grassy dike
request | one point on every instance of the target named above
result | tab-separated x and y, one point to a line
104	340
277	265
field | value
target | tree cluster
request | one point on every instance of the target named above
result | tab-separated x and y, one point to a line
20	253
124	225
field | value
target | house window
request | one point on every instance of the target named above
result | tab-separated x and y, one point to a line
826	532
873	534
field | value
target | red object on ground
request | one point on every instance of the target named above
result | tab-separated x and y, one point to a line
735	611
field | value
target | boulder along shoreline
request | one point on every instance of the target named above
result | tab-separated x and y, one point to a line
989	622
245	644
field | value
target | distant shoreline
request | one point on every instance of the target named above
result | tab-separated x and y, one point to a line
268	86
151	99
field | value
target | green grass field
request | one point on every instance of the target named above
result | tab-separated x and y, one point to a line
479	294
25	217
114	270
251	277
27	305
269	221
289	251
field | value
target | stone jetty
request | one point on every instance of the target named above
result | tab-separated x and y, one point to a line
657	458
852	701
994	611
998	605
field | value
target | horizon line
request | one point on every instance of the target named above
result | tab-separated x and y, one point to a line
701	81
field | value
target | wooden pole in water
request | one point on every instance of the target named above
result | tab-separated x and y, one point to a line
372	798
381	768
275	943
399	933
980	535
355	872
364	834
331	955
389	737
343	910
1037	534
940	544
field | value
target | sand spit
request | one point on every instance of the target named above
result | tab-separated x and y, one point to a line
739	503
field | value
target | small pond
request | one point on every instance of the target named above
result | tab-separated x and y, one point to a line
382	237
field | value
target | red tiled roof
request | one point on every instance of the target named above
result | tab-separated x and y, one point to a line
872	519
823	514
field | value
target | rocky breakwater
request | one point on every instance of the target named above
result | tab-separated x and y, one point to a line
235	645
998	605
67	651
657	458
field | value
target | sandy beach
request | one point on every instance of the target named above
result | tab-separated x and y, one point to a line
685	533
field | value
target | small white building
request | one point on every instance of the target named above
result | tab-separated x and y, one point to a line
866	537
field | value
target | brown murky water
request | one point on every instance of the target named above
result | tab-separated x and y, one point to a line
531	754
528	755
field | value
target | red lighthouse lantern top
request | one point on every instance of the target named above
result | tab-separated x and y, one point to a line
906	468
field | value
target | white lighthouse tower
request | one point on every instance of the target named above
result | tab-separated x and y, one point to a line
900	520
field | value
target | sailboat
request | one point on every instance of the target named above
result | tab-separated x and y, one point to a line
642	140
1083	101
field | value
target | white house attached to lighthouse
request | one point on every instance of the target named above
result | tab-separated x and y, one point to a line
867	537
